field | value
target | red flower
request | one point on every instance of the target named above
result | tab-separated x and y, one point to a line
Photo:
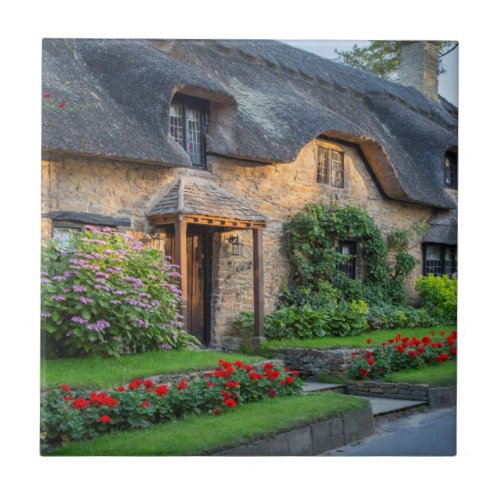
183	384
210	384
383	344
64	387
440	344
426	339
368	341
61	104
290	380
371	362
216	411
272	393
80	403
442	332
225	395
135	384
47	94
432	332
255	376
444	356
269	366
104	419
239	364
120	389
453	351
69	397
230	403
282	382
149	383
161	390
208	374
391	341
146	403
412	354
295	373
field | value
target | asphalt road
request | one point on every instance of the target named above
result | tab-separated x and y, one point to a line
432	433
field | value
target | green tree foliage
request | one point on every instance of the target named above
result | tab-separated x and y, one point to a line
381	57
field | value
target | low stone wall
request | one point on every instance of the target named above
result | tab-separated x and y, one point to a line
416	392
314	362
311	439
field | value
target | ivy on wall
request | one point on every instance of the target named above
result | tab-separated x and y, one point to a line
312	237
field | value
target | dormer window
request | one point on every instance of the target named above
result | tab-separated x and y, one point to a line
188	123
451	170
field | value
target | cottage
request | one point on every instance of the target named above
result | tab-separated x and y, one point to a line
203	149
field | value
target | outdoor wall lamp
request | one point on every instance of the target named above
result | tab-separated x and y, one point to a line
237	246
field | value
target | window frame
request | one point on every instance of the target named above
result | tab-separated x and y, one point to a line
453	184
442	249
328	176
202	106
352	261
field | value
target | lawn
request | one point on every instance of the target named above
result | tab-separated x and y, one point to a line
96	372
377	337
206	434
442	375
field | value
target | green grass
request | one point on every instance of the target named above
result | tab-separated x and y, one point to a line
442	375
377	337
98	372
207	434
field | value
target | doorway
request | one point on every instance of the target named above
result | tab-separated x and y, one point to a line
199	279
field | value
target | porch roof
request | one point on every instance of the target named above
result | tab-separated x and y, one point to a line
442	228
199	196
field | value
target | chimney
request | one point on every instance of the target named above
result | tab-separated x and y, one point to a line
420	66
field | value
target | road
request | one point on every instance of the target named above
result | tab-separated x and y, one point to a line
431	433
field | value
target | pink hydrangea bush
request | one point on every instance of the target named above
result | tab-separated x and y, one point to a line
109	295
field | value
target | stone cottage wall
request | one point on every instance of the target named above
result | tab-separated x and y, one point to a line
128	189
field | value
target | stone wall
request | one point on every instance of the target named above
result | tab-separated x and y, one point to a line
315	362
128	189
416	392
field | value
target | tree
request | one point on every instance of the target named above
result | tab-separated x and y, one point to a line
382	58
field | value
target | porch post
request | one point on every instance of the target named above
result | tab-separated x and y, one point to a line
258	285
180	259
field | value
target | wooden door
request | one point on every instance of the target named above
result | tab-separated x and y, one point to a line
198	281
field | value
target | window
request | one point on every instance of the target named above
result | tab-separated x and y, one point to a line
440	259
62	237
348	267
188	122
451	170
330	167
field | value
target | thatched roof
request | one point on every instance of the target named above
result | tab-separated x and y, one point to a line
268	101
195	195
442	228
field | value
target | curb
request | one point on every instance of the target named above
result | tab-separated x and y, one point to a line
310	439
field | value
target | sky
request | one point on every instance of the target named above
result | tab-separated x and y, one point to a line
448	81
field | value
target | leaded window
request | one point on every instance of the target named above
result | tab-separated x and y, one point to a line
62	237
440	259
451	170
337	163
330	168
188	121
349	266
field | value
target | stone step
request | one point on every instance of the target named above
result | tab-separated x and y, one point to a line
320	386
385	406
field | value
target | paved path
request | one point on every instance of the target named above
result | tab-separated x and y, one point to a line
432	433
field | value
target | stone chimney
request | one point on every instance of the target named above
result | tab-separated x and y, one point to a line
420	66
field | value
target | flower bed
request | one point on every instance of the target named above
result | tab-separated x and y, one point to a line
400	353
71	415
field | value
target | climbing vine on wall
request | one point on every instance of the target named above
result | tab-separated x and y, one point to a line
312	240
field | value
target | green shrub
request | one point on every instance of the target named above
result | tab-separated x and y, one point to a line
389	317
109	295
439	296
342	319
